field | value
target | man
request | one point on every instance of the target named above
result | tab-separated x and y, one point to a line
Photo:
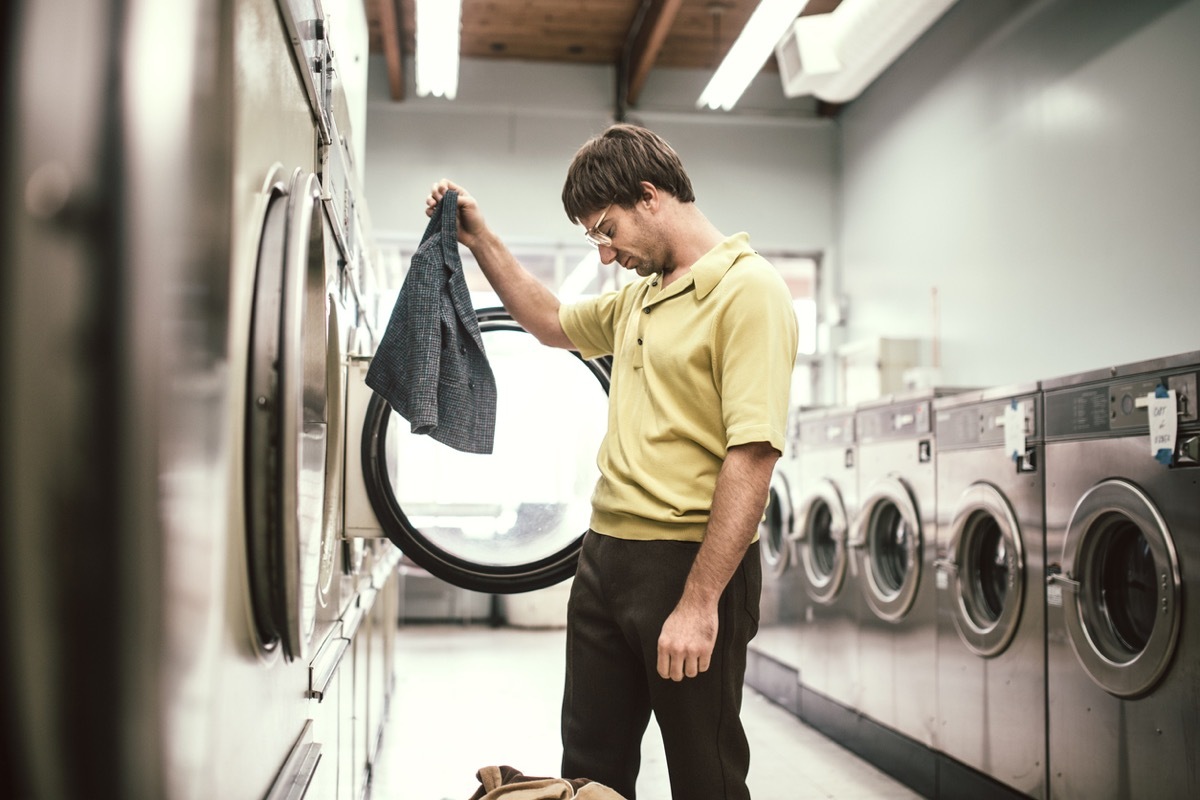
666	596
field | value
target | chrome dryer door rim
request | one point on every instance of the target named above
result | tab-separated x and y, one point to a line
1125	652
423	547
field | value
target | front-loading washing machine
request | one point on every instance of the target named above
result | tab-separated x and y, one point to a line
990	569
894	547
774	651
510	521
290	620
826	509
1123	582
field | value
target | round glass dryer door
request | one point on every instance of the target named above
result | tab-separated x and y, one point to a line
513	520
287	406
988	566
1120	560
822	541
892	545
774	532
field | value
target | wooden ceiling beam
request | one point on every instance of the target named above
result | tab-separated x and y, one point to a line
392	35
645	40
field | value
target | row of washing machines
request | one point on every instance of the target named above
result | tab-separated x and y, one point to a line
997	592
189	264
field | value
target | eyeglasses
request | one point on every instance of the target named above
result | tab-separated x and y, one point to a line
593	234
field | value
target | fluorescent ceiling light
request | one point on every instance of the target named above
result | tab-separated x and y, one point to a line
438	23
766	26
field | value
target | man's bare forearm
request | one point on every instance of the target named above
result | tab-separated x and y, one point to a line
738	502
689	634
530	302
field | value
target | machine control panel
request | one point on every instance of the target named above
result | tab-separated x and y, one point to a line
1117	407
836	431
900	421
983	424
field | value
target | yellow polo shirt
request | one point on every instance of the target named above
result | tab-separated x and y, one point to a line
699	366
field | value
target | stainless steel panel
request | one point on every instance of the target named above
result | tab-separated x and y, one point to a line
991	673
306	28
829	654
113	316
781	602
898	656
1123	725
255	708
898	625
296	775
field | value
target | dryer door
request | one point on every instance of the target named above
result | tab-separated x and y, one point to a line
891	540
774	532
822	540
1119	562
987	568
287	408
512	521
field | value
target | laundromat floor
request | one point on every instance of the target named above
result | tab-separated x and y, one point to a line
469	696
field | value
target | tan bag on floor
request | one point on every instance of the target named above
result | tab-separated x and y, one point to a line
506	783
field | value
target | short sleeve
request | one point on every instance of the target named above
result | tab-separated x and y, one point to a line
591	324
755	340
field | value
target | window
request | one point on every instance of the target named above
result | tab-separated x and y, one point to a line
573	271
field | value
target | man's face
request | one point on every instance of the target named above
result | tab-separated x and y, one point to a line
627	236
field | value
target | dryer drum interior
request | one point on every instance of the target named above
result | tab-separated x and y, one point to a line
822	540
1120	562
989	569
892	540
287	419
511	521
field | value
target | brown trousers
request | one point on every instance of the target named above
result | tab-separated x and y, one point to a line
622	594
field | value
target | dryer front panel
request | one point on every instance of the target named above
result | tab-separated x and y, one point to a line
1122	604
513	520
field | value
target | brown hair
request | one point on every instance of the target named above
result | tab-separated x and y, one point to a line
610	167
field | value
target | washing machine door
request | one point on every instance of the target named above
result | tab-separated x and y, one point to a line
511	521
287	406
985	570
890	539
821	541
1121	604
775	530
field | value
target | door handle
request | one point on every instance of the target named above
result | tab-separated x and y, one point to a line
1055	577
321	672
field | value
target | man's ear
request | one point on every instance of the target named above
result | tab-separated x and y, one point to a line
650	195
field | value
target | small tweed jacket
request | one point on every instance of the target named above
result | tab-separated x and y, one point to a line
430	365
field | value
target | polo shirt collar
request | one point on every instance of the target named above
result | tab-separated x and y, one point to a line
712	266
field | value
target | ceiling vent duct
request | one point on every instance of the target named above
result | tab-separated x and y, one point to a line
835	56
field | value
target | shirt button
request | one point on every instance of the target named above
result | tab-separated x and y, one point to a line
647	309
639	341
